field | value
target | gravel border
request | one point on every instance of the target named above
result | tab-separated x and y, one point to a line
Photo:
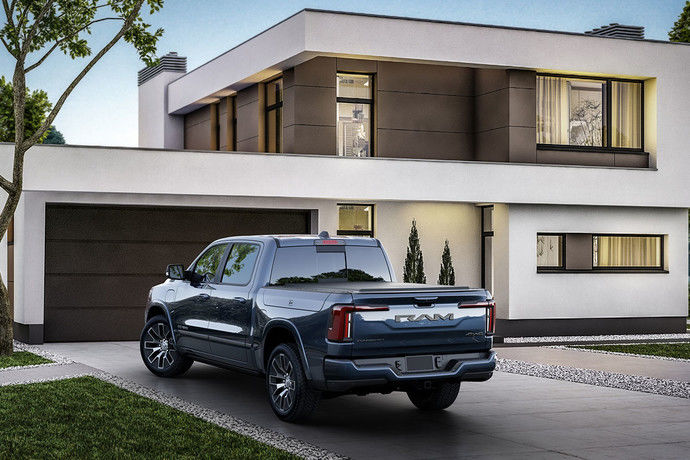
596	338
37	350
620	353
256	432
599	378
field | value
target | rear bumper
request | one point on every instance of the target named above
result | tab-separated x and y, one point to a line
346	374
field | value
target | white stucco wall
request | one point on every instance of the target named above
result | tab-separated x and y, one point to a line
595	295
436	222
204	173
156	128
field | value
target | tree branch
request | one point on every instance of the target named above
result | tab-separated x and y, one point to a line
8	12
58	105
7	185
34	29
9	50
64	39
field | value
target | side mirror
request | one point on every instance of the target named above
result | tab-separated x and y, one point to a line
175	272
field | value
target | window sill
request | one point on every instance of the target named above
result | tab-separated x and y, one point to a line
601	271
589	149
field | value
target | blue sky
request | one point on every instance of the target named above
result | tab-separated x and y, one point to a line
103	108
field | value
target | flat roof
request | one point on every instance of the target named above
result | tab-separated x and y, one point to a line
433	21
314	32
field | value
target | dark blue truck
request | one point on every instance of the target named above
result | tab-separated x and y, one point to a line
318	317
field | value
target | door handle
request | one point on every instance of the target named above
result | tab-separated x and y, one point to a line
204	296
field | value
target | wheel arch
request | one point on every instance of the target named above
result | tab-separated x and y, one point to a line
158	308
280	331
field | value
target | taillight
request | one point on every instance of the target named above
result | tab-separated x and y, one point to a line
340	328
490	313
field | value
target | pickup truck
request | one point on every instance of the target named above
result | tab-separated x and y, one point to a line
318	317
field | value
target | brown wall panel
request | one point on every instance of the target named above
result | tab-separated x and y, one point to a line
632	160
575	158
424	78
197	129
578	251
318	140
309	105
424	112
319	71
356	65
431	145
492	145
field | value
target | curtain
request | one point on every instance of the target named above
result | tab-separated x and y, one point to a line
552	110
626	111
549	250
627	251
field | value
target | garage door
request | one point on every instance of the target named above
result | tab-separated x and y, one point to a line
101	261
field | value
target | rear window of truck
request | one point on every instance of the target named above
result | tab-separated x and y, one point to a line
304	264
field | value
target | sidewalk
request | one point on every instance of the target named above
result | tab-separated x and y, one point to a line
628	365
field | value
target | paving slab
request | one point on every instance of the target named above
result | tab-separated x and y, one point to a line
511	415
47	372
582	359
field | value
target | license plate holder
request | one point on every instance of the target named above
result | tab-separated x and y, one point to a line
423	363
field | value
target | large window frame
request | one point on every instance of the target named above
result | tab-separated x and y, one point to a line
656	268
278	108
366	233
606	125
561	248
356	100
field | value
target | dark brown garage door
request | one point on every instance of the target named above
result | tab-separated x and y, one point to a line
101	261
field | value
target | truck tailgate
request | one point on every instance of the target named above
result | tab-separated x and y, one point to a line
420	321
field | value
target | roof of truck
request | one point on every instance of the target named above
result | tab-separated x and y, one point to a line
308	240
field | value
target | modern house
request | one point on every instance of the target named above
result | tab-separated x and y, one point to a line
556	165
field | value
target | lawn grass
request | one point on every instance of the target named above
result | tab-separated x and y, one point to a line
87	418
22	358
670	350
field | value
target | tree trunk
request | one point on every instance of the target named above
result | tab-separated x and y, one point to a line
6	309
6	320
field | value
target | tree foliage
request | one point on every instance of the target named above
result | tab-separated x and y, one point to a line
414	261
447	274
681	28
32	30
35	111
53	136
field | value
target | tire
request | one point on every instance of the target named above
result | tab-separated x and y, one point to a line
158	351
296	402
438	398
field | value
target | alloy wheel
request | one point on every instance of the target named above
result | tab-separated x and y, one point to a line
158	346
282	383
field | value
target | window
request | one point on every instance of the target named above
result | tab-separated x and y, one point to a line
586	113
356	219
550	253
354	96
627	251
274	115
209	261
307	264
240	265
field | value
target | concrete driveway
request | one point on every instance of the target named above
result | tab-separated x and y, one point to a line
511	416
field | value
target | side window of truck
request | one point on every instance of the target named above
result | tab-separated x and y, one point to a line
240	265
209	261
